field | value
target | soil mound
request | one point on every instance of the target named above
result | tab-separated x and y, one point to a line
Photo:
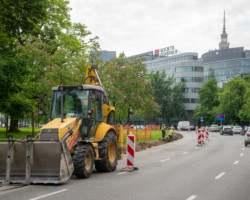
145	145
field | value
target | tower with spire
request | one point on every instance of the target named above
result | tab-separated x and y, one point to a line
224	44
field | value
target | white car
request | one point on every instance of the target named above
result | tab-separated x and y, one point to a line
237	129
214	128
247	137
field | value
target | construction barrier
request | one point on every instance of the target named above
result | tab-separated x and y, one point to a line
140	134
201	137
207	133
154	127
131	150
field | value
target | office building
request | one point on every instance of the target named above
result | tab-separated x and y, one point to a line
225	63
107	55
184	67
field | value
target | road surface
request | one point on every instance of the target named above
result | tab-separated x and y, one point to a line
219	170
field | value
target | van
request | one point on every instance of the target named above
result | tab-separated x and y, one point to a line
183	125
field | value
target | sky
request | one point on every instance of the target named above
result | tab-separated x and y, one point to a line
138	26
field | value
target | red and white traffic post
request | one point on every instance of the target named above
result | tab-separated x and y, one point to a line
131	150
201	137
207	133
130	153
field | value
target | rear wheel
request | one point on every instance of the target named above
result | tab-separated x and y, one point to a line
83	161
108	153
246	143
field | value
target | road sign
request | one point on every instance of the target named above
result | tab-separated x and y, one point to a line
201	119
220	117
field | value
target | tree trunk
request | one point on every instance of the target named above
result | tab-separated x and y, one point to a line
14	126
128	115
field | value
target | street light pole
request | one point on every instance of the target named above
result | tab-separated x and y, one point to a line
230	100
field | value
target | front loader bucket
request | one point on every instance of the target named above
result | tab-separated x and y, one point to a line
45	162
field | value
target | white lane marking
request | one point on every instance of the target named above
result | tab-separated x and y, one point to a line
185	153
236	162
243	149
197	148
220	175
50	194
191	197
241	154
165	160
121	173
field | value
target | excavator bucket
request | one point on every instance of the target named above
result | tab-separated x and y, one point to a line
35	162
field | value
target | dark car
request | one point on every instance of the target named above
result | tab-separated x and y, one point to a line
226	130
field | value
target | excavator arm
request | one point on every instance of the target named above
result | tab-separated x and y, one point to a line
92	78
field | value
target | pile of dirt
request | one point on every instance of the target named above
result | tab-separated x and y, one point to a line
145	145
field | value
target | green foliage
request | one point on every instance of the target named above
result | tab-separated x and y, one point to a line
209	94
128	85
232	100
45	49
244	113
209	101
13	75
168	95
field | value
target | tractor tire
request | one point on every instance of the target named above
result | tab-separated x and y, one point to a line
108	153
83	160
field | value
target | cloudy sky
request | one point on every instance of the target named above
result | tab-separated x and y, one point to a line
137	26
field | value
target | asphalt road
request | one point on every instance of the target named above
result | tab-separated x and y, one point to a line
219	170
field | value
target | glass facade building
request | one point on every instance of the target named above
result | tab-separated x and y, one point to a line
224	64
184	67
107	55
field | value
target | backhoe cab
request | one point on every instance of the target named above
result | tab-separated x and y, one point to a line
77	138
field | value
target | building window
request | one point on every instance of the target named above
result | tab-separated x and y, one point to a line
191	90
188	69
189	79
191	100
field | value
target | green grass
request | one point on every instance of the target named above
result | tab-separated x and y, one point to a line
155	135
23	133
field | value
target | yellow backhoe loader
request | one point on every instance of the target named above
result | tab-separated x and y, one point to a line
79	136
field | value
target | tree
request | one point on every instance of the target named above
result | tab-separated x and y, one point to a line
168	95
244	113
13	75
232	100
128	85
49	20
208	95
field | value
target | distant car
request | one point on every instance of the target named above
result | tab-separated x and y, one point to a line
226	130
214	128
247	137
192	128
237	129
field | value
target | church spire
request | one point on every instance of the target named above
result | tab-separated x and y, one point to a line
224	44
224	23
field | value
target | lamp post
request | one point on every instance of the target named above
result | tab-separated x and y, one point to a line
230	100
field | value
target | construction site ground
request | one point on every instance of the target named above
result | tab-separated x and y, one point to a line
145	145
